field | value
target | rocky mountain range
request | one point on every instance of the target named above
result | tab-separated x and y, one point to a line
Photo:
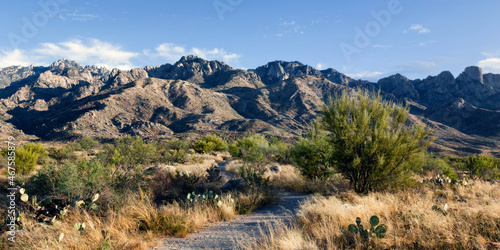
66	100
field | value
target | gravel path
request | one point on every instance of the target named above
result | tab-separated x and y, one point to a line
243	229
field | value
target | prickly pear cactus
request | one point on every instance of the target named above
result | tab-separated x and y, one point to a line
375	228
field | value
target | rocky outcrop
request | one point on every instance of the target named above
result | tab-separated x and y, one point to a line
276	71
188	68
280	98
399	86
493	80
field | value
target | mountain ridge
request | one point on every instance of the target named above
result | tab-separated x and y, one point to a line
67	100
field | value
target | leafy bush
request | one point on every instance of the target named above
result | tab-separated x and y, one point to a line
312	155
251	149
128	152
27	157
169	187
438	166
25	160
372	146
480	166
88	144
210	143
72	179
67	152
280	151
176	144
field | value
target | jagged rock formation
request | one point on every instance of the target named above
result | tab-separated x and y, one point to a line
66	100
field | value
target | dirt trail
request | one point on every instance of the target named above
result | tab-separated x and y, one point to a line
245	228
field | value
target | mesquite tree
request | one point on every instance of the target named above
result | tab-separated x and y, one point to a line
373	146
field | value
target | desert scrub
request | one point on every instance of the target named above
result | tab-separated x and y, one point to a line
256	149
312	155
135	223
371	144
210	143
27	157
473	219
69	180
481	167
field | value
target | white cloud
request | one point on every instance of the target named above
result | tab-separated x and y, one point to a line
173	52
82	17
423	44
365	74
419	28
14	58
88	52
104	54
381	46
491	64
320	66
289	27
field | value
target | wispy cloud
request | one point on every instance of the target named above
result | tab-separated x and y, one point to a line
172	52
80	16
419	28
491	64
87	52
14	58
289	27
104	54
423	44
382	46
365	74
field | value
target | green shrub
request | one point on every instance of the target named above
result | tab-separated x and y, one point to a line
26	160
312	155
204	146
372	146
251	149
210	143
128	152
176	145
71	179
481	166
280	151
67	152
27	157
88	144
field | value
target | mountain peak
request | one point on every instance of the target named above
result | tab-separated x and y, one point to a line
276	71
65	63
473	73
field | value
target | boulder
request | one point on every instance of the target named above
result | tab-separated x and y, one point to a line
275	169
234	185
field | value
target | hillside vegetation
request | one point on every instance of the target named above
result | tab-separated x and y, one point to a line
361	159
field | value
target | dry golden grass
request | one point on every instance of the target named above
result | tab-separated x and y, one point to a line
472	221
139	224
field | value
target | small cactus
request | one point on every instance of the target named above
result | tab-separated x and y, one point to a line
24	197
444	211
379	230
80	226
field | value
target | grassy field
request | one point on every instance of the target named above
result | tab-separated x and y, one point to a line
130	194
426	217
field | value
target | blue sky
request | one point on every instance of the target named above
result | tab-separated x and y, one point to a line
364	39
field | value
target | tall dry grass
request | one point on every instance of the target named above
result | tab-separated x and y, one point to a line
139	224
471	222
